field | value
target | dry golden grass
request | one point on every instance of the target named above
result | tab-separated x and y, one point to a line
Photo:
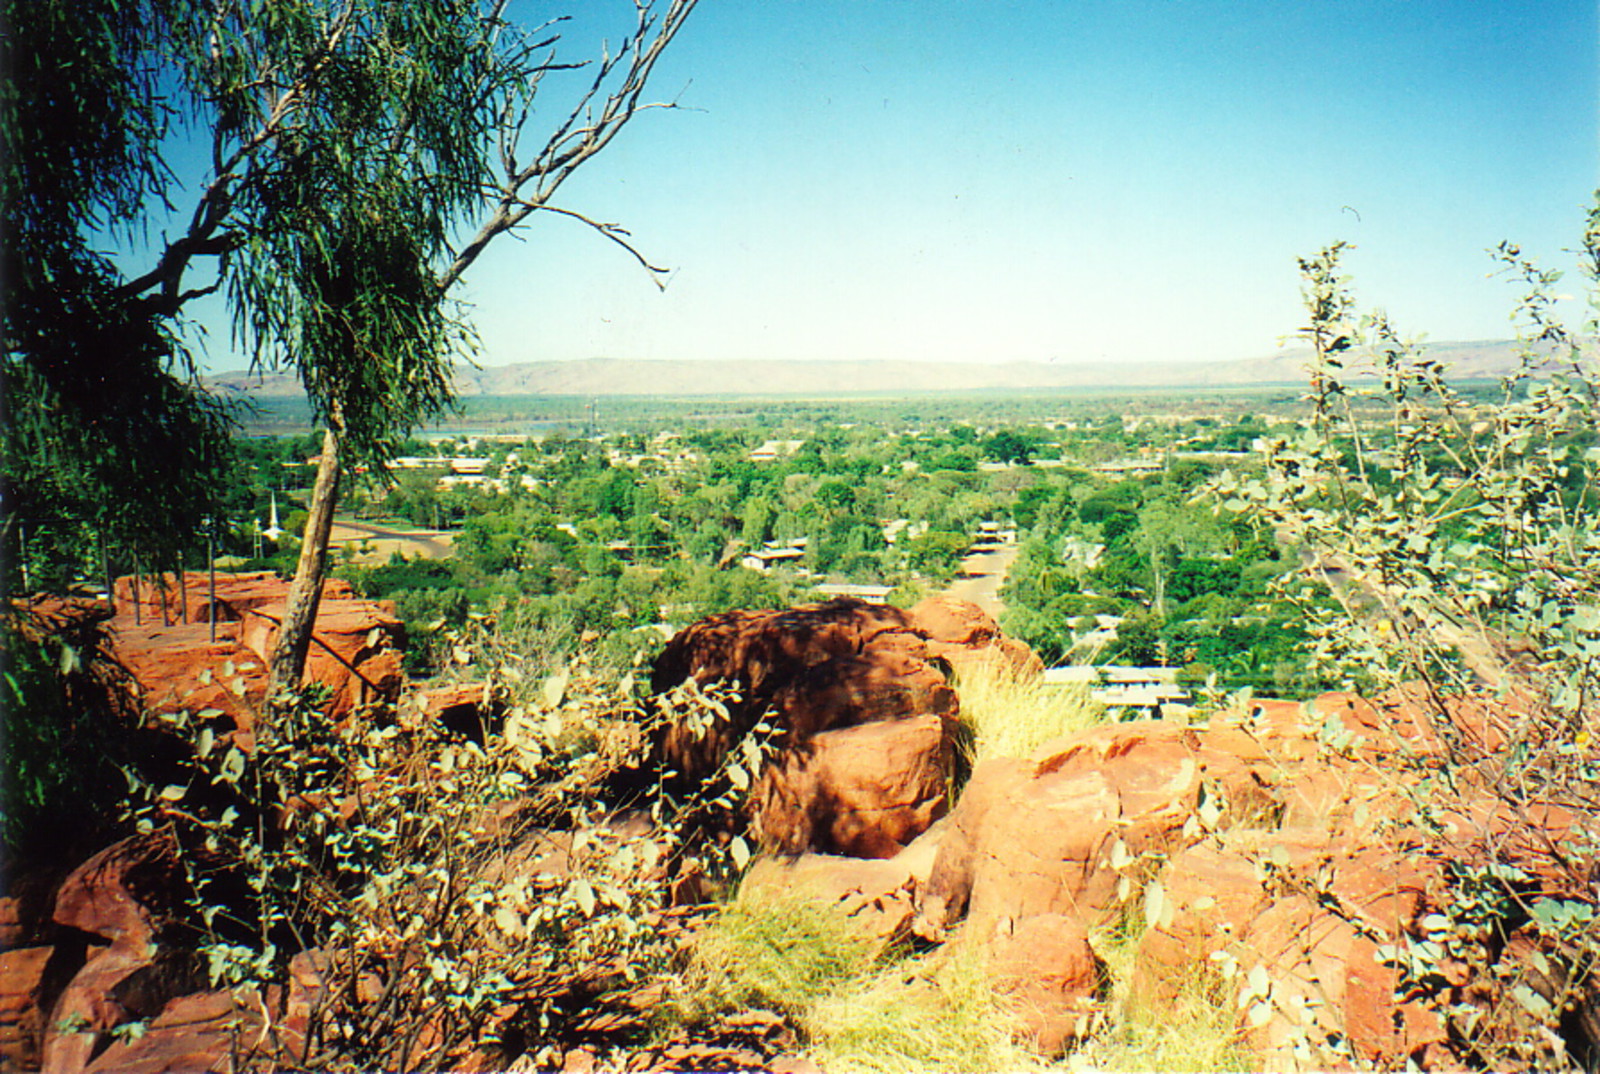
1196	1032
784	955
1012	717
935	1012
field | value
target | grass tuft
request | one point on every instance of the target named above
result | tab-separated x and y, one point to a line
783	955
1012	717
1194	1032
936	1012
855	1011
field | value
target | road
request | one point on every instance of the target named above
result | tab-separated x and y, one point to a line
982	574
1363	595
379	543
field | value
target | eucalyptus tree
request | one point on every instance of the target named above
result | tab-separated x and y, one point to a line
104	429
362	155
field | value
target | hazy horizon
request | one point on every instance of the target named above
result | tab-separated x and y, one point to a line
1045	182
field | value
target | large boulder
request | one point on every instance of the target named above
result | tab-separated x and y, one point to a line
864	791
179	668
835	664
116	899
830	678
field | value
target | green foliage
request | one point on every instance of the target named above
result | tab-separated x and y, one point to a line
1189	582
937	551
1120	498
1008	445
56	744
1450	521
497	887
1457	534
102	417
342	221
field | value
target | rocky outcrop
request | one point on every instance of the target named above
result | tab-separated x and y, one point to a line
176	659
1057	833
180	669
1299	919
1307	861
115	899
1304	860
95	958
837	681
819	666
968	640
174	599
1049	978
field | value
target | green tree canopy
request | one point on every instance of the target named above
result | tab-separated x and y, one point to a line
104	430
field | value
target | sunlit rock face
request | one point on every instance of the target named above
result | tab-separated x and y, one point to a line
860	697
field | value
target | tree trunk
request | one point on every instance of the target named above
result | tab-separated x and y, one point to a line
1158	574
288	663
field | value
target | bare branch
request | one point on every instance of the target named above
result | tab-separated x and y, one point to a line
590	126
616	234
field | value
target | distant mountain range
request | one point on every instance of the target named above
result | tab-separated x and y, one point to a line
761	377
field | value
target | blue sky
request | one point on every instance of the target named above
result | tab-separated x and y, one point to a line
1074	182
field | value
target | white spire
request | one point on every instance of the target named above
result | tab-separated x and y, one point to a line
273	530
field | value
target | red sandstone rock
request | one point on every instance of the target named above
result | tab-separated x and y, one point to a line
1333	794
864	791
1212	892
454	704
1049	977
354	649
205	1031
45	615
957	622
815	671
967	638
117	895
845	691
12	928
22	973
828	665
746	646
1045	835
111	894
1408	724
1302	914
174	599
179	668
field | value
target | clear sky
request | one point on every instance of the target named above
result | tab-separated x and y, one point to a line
1072	181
